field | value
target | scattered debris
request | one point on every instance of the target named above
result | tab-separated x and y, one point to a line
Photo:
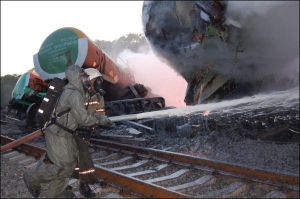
134	132
4	122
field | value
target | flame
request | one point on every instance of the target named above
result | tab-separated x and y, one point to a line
206	112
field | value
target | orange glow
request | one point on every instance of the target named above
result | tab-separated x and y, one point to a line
100	110
158	76
206	113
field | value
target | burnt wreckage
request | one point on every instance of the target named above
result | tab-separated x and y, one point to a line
267	117
220	52
225	53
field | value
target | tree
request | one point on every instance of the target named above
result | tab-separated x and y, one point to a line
8	83
134	42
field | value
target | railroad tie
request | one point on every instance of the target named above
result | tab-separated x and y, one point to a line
275	194
17	158
117	162
169	177
142	174
99	154
110	157
30	165
204	180
27	161
233	190
124	168
11	154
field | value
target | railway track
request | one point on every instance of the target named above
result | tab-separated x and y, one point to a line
145	172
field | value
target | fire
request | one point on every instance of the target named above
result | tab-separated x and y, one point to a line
206	112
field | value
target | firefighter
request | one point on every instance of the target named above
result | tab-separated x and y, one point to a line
95	100
62	146
94	103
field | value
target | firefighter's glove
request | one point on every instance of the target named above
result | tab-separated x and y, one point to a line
102	92
104	120
110	123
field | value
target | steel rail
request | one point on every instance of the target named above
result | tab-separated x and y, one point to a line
136	185
133	185
29	149
218	166
111	177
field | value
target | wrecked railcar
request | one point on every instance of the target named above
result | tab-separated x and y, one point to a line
226	49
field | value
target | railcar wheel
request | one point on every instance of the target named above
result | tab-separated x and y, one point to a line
31	113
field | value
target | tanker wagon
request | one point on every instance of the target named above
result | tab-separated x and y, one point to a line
67	46
27	94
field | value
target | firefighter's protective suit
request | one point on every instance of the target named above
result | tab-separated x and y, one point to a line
61	147
94	104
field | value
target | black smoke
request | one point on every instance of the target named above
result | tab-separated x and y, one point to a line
266	31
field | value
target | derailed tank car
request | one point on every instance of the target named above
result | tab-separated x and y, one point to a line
67	46
26	96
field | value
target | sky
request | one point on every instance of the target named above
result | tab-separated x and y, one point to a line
26	24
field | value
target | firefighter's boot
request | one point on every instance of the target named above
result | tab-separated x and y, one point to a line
86	191
35	190
102	184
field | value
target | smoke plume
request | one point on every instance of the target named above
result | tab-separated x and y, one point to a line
270	32
152	73
262	39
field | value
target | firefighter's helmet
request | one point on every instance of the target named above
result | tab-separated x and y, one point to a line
97	86
93	73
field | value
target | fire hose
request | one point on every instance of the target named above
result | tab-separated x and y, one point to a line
177	111
39	132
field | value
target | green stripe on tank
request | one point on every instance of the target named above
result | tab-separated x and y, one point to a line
58	51
19	88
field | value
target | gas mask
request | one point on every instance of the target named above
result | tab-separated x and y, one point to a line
87	85
98	86
92	89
